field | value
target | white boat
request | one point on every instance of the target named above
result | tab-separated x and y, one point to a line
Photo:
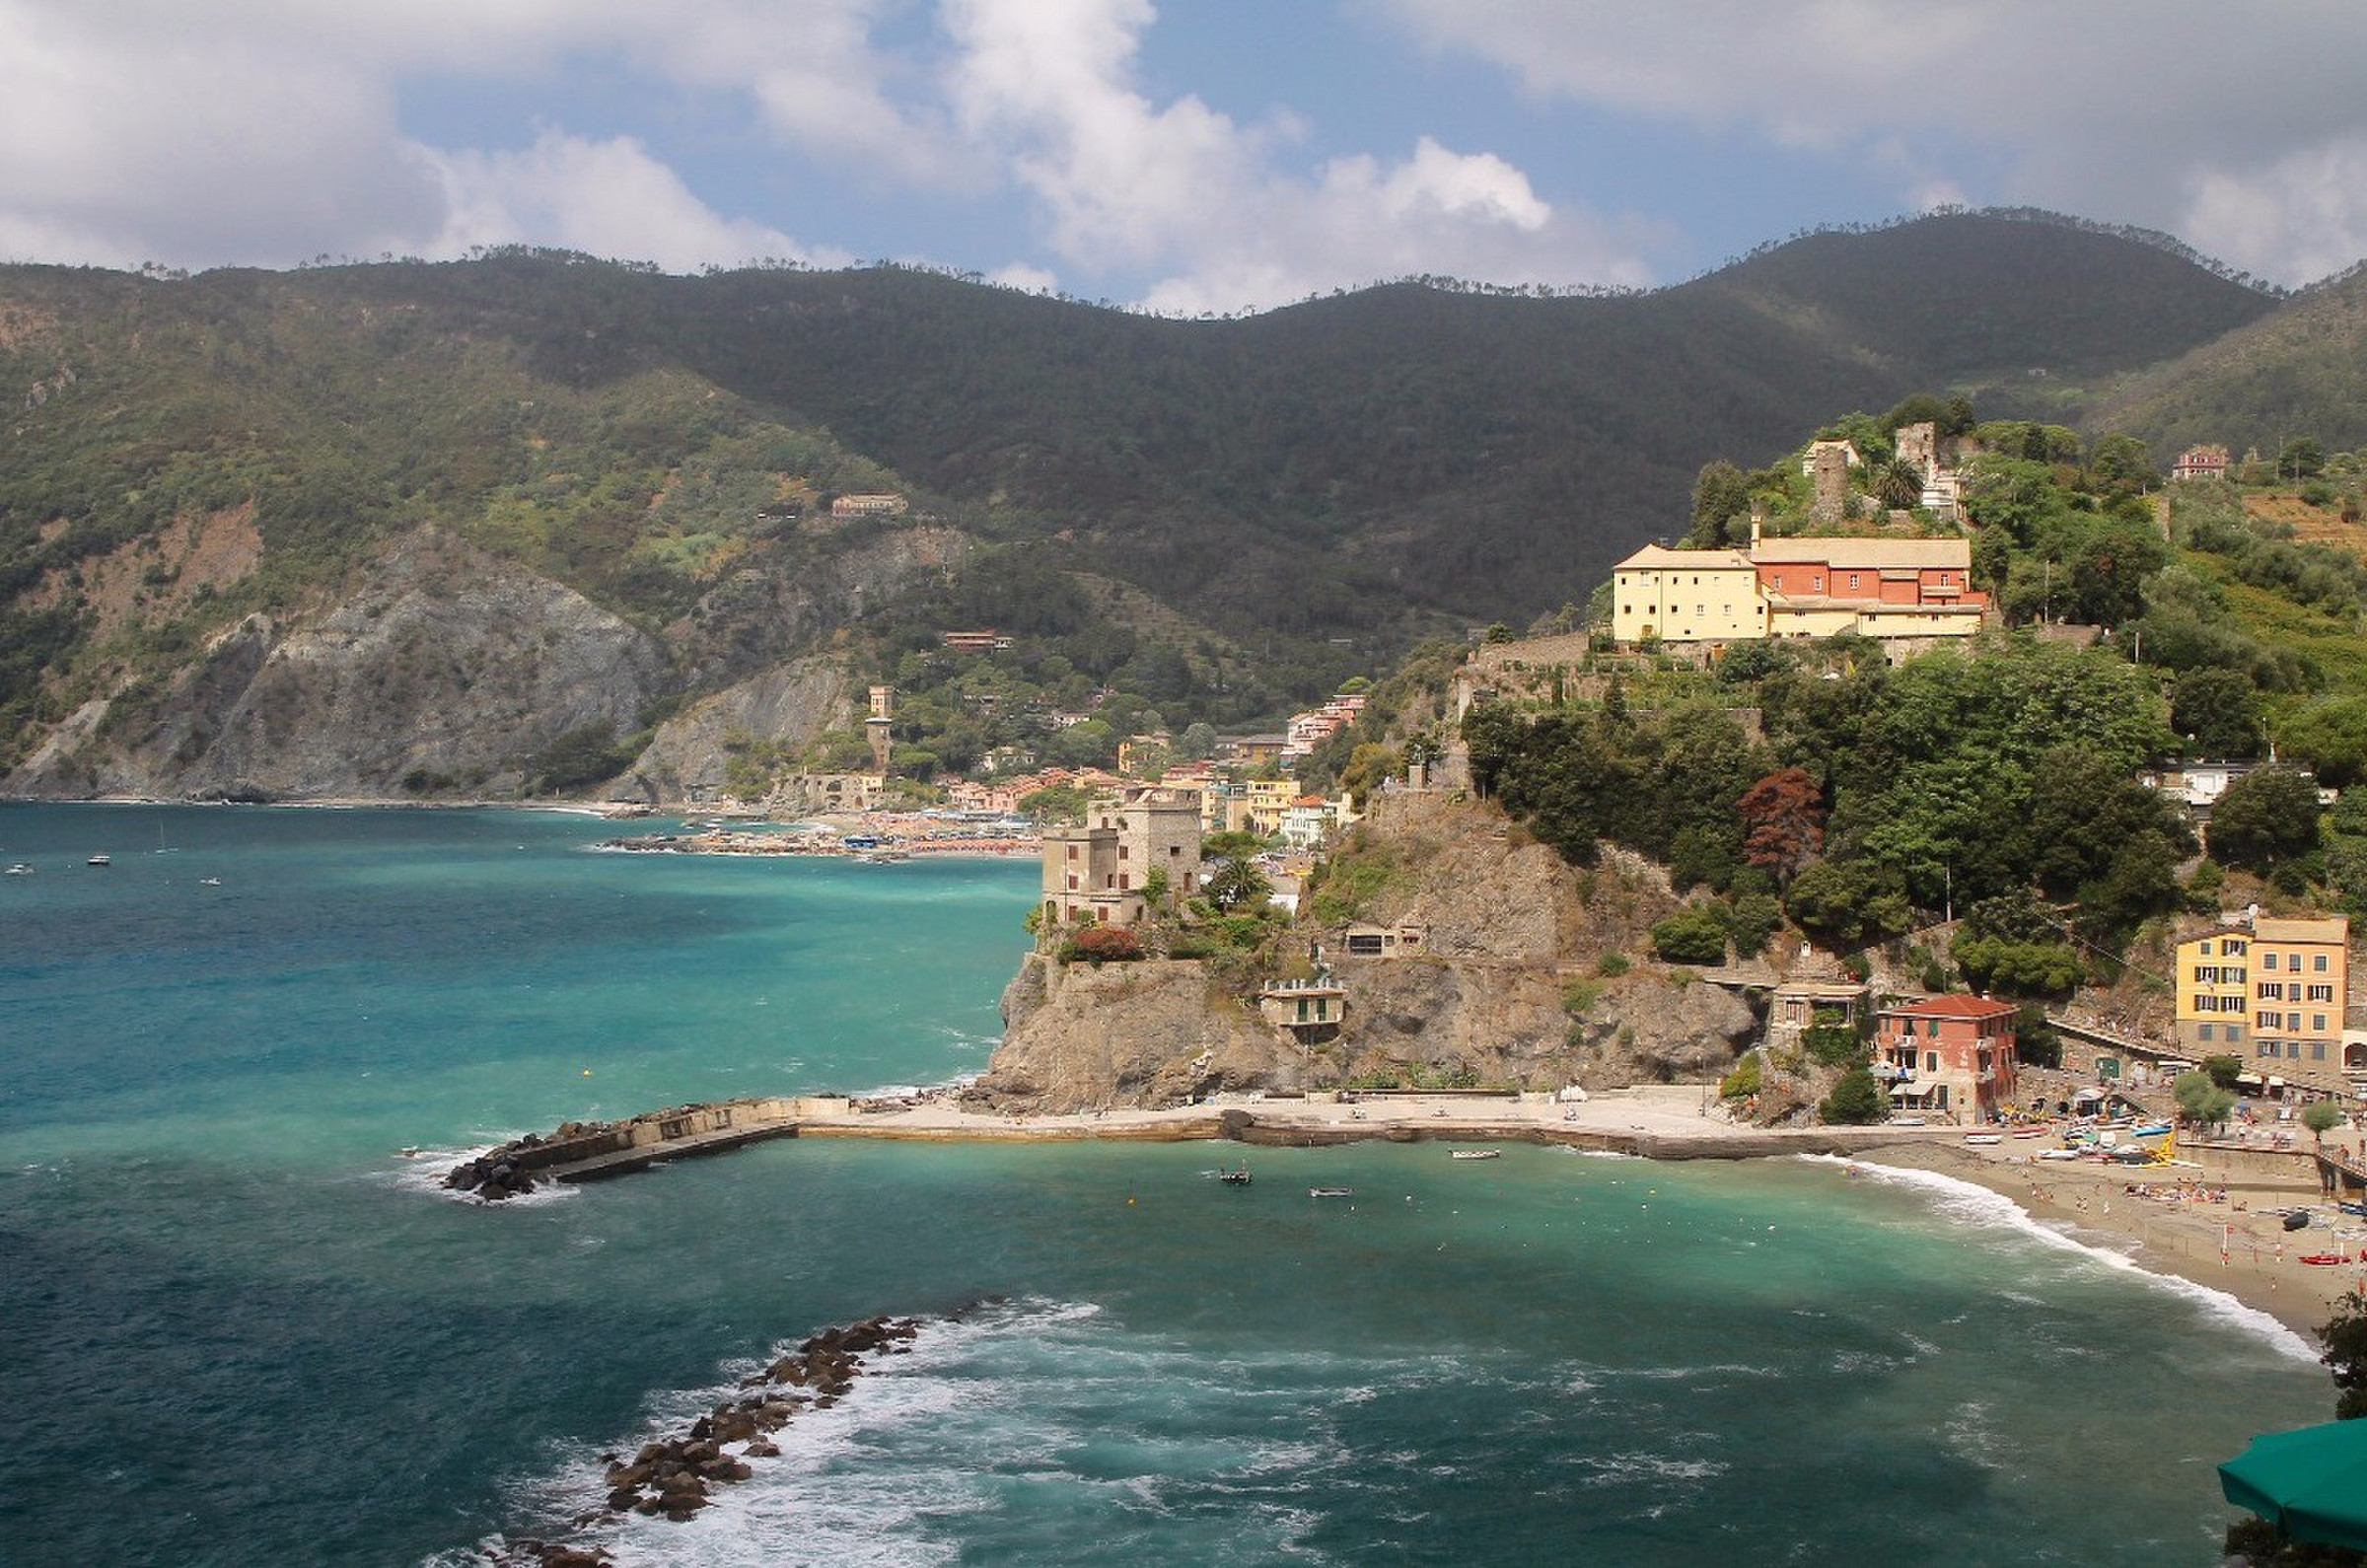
1474	1154
1984	1137
1330	1192
20	869
209	882
101	860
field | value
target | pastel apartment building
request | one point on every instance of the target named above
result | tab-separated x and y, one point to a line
1811	587
1095	872
1952	1054
2272	991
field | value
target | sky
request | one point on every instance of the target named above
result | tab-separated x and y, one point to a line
1186	157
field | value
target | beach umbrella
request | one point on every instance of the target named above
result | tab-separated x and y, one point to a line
2311	1483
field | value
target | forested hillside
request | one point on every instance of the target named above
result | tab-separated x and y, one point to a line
1279	500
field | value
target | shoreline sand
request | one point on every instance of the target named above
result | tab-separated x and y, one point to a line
2174	1231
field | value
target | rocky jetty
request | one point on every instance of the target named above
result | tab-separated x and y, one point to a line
672	1476
505	1171
676	1477
490	1176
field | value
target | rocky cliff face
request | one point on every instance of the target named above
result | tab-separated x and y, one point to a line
448	669
447	661
1501	993
1156	1032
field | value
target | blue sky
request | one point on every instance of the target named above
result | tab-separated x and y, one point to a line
1212	155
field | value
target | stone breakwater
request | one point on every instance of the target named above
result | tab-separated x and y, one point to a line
675	1478
584	1151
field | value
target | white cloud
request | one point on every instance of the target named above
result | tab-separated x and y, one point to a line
2123	110
2301	216
604	198
1211	206
266	130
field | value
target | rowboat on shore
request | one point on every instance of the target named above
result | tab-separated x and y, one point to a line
1984	1137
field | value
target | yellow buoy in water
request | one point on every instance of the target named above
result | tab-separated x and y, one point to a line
587	1072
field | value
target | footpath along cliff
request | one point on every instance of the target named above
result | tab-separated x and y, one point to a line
1506	988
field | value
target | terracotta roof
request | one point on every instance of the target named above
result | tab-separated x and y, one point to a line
1959	1005
1864	553
1697	560
2266	929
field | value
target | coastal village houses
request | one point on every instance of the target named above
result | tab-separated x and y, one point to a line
1095	872
1951	1054
2273	992
1880	587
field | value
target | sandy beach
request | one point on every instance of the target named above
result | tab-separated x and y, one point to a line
2176	1226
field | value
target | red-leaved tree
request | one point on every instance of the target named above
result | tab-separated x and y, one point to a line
1783	822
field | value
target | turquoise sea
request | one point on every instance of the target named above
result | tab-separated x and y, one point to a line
235	1328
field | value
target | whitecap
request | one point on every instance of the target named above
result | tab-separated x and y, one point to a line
1970	1203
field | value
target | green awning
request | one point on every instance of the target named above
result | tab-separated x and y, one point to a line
2311	1483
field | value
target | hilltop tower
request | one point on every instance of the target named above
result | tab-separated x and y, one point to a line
877	727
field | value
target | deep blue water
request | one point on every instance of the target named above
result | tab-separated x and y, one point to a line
234	1329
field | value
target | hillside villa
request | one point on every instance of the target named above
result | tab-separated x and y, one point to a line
1880	587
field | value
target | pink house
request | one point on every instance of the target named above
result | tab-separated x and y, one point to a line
1947	1053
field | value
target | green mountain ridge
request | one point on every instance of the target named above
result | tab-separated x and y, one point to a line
1312	489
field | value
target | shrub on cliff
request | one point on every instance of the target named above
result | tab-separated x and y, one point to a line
1856	1101
1104	945
1693	935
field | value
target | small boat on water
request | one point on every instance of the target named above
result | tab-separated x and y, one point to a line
1474	1154
20	869
209	882
101	860
1330	1192
1239	1176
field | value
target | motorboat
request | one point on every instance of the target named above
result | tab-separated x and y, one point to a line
101	860
1239	1176
20	869
1330	1192
1474	1154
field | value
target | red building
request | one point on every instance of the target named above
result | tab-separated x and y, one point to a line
1947	1053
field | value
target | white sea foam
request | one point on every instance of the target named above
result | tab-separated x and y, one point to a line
1968	1202
925	1453
424	1173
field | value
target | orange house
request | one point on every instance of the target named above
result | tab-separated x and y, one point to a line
1948	1053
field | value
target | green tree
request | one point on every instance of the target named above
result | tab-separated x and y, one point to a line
1856	1101
1236	883
2321	1117
2266	816
1721	502
2302	458
2200	1100
2345	1338
2122	460
2330	739
2218	711
1693	935
1847	902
